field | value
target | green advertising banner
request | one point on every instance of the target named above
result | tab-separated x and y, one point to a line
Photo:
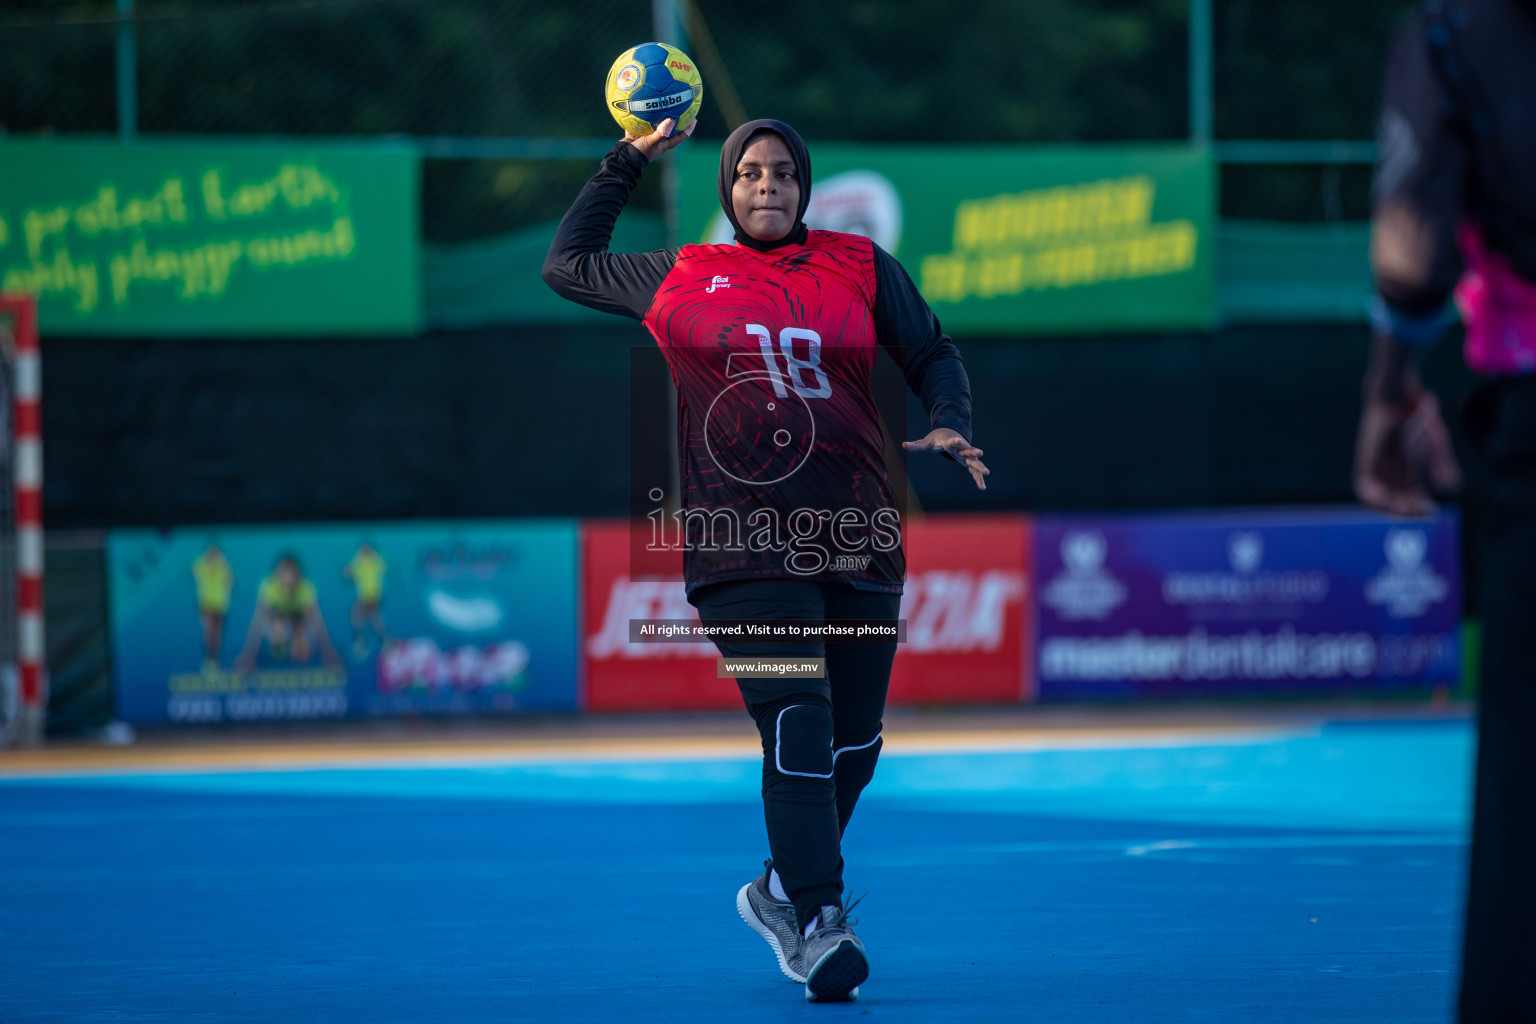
211	240
1017	239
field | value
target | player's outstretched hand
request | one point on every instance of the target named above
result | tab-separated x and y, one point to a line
943	439
1398	445
665	137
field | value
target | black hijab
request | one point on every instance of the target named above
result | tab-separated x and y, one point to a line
730	156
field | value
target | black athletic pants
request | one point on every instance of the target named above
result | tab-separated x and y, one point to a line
1499	960
821	737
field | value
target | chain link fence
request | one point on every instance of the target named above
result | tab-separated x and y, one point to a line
57	69
990	71
1301	69
993	71
319	67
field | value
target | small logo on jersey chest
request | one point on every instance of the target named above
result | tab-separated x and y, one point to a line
718	282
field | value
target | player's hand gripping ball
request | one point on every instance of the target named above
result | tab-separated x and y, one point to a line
650	83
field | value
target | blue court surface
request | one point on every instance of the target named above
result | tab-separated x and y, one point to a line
1299	874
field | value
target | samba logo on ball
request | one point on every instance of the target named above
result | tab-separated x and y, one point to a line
650	83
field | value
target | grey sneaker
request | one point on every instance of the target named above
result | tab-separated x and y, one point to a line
774	921
833	957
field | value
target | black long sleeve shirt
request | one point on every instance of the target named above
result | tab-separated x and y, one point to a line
772	353
1457	139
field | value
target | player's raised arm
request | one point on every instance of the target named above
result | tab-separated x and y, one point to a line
579	266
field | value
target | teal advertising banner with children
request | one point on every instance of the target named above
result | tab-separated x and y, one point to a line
288	622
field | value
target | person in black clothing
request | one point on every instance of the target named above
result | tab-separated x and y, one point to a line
788	512
1455	211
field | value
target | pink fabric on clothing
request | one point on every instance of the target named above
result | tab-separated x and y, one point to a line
1498	308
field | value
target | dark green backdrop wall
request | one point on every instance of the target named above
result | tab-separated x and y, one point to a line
533	421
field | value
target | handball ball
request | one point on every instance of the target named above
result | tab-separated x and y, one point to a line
650	83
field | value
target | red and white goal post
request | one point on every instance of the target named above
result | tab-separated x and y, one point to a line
23	669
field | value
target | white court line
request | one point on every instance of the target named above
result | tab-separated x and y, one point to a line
1141	848
1162	739
1297	842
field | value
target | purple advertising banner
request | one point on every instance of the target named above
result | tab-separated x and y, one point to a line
1245	601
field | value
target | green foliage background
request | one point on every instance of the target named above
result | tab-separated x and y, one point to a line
840	70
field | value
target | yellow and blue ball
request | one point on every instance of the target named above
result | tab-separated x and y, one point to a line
650	83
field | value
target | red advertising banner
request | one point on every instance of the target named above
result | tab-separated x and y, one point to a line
968	609
967	606
619	675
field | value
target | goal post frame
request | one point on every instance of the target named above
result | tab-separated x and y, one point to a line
27	463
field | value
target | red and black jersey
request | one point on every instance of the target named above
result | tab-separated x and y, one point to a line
781	453
772	354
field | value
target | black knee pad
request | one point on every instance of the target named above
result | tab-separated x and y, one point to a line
857	748
855	757
801	741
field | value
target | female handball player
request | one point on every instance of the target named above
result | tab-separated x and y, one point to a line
771	343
